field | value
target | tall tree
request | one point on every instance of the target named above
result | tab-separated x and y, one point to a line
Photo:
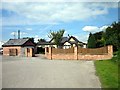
112	36
91	41
57	36
99	39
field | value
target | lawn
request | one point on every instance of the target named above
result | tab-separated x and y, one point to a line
107	70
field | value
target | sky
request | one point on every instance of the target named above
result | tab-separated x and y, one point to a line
36	19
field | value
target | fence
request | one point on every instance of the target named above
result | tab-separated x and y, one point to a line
79	53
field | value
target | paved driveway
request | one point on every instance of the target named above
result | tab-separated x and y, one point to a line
35	72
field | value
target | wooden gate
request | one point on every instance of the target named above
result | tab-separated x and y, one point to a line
13	52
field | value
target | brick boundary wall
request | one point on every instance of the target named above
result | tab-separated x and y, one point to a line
78	56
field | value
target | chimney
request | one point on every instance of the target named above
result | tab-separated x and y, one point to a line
18	34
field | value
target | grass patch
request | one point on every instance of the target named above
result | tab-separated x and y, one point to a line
107	70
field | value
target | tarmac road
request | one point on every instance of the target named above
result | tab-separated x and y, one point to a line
35	72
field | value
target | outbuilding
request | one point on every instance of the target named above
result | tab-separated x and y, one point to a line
19	47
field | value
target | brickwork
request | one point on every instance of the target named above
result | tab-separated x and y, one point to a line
63	56
79	56
6	50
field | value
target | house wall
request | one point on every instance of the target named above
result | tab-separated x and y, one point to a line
79	56
30	53
72	39
66	45
6	50
84	46
22	51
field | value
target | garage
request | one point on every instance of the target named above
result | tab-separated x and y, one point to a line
19	47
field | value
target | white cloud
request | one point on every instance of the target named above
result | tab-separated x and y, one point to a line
1	43
15	34
82	37
103	28
60	0
29	29
36	37
94	28
66	33
90	28
53	13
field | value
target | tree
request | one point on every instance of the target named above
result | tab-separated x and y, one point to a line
41	40
112	36
99	39
91	41
57	36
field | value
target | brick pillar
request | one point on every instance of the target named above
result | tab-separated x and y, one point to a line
76	53
110	50
46	51
26	52
50	53
31	52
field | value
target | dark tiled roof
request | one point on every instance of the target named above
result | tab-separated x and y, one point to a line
15	42
43	43
64	39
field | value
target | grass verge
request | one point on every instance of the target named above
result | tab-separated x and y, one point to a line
107	71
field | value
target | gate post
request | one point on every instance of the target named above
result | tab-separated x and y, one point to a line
110	50
76	53
46	51
50	53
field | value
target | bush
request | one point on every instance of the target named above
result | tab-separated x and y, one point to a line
116	56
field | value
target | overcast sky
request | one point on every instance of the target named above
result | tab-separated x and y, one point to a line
36	19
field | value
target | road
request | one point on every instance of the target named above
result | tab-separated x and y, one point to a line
36	72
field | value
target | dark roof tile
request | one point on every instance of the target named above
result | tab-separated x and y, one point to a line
14	42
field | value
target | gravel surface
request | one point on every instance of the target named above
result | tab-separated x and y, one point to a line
36	72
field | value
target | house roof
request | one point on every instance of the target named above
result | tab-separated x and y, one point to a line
62	40
43	43
16	42
74	42
66	39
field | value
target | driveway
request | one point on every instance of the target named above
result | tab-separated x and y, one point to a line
36	72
